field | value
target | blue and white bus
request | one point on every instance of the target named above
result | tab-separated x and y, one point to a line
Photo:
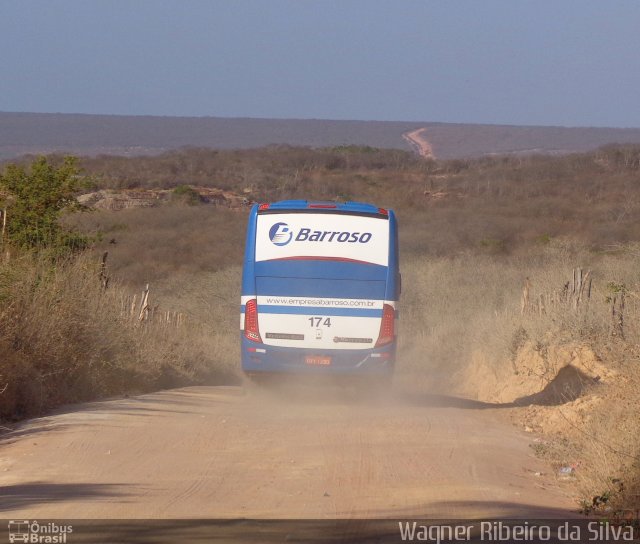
320	286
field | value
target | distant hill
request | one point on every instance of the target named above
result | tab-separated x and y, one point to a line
22	133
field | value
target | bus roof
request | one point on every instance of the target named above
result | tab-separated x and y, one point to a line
344	207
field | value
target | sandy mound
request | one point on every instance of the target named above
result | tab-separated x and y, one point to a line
538	374
571	416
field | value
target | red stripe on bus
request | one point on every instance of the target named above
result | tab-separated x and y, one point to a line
319	258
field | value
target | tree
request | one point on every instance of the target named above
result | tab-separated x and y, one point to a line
35	199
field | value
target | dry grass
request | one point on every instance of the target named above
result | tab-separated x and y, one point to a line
477	298
157	244
608	446
65	339
459	310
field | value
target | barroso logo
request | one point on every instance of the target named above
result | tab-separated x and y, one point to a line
280	234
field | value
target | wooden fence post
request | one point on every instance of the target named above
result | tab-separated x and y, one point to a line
617	314
576	287
564	295
144	311
3	215
104	279
585	292
144	304
575	294
524	300
580	288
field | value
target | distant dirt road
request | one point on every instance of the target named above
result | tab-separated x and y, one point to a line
221	452
419	143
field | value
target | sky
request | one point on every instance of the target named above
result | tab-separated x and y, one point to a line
518	62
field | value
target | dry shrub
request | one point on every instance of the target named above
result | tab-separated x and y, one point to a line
490	205
208	344
154	244
453	306
65	339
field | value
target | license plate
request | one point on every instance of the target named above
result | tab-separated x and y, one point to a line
317	360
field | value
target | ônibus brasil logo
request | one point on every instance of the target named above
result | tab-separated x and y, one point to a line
38	533
281	234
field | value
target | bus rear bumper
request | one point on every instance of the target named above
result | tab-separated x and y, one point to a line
259	358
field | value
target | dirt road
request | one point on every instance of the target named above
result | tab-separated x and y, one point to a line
419	143
222	452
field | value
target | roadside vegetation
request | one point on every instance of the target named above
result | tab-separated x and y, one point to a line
68	331
473	233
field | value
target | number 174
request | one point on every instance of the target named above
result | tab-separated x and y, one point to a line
317	321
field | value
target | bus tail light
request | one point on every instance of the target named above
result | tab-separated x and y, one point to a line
387	326
251	331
